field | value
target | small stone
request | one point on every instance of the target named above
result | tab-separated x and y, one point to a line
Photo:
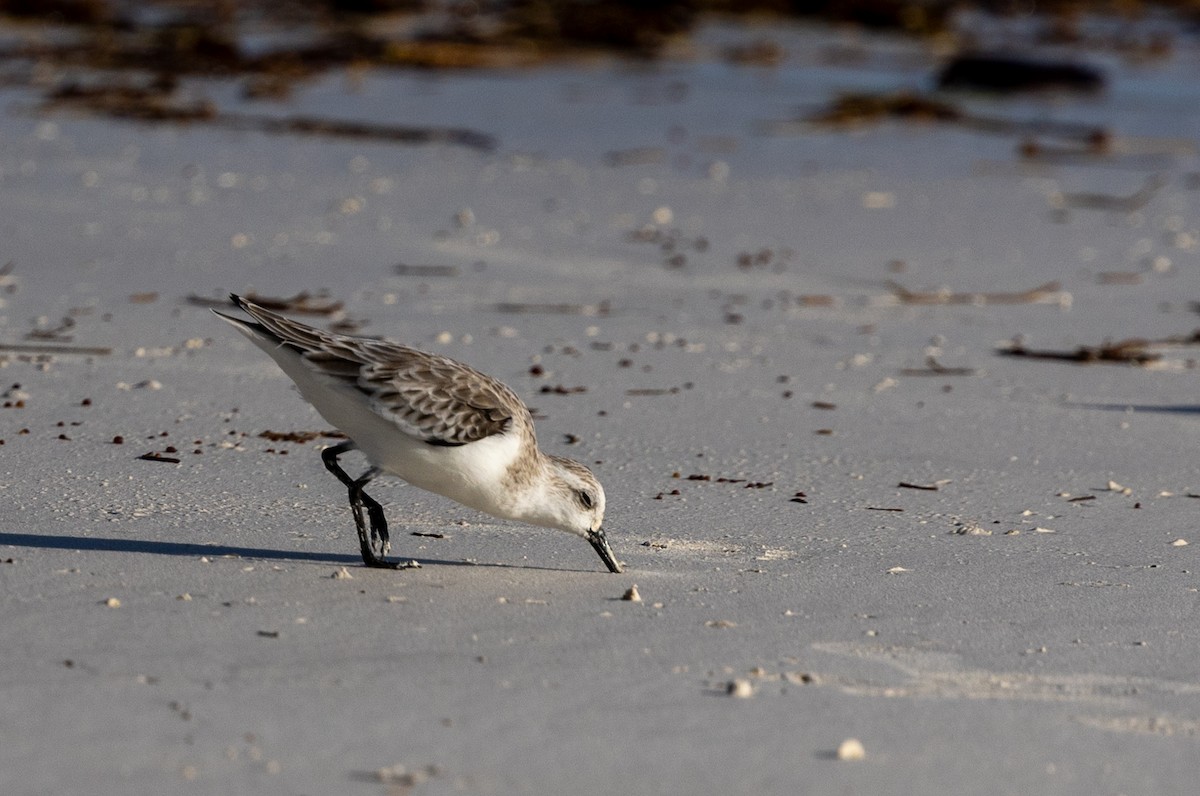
851	749
341	573
740	688
632	594
112	602
1179	543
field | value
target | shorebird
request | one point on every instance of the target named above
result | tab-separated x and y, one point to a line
432	421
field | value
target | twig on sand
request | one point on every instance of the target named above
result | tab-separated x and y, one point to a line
935	368
1103	201
49	348
1134	351
1049	293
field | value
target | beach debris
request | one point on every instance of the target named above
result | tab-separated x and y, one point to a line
1113	486
111	602
158	102
851	749
720	623
300	436
1179	543
599	309
853	110
402	777
1133	351
1009	74
740	688
53	334
403	269
1119	278
970	528
637	391
341	573
935	368
1049	293
1109	202
51	348
934	487
897	570
268	633
153	456
632	594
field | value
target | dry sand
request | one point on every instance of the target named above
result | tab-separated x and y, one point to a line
206	626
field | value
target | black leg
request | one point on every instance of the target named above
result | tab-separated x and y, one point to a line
357	498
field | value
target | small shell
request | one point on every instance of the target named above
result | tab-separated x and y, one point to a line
851	749
632	595
740	688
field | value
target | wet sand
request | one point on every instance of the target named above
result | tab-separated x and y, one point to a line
780	347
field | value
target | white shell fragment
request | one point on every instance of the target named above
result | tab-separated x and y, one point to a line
1179	543
740	688
969	528
632	595
851	749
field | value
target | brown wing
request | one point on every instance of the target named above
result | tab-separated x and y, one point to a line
430	397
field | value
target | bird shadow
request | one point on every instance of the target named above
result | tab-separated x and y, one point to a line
101	544
1173	409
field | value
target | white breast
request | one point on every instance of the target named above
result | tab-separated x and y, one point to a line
472	474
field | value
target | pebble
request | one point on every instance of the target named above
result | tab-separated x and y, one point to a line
341	573
851	749
632	595
740	688
112	602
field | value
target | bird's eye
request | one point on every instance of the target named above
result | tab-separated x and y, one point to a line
585	499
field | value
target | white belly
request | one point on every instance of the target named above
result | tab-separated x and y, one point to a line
473	474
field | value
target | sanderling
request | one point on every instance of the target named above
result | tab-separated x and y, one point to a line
434	422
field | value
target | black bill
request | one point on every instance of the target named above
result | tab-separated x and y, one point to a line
600	545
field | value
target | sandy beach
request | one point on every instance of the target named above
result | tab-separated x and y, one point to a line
872	458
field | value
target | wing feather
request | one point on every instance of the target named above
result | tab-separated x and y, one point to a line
431	397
